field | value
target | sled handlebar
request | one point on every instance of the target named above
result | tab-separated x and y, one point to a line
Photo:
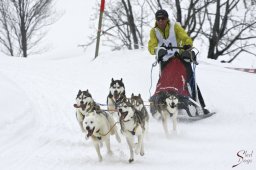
180	48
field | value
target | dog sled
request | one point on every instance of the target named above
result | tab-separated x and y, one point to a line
178	77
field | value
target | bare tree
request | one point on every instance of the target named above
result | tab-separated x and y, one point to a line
131	22
229	25
154	5
230	33
188	13
6	38
23	22
123	25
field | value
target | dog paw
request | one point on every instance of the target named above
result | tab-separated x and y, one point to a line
142	153
131	160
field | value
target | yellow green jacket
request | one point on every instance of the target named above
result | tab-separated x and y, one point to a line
182	37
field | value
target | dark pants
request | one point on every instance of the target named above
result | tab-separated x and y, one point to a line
191	82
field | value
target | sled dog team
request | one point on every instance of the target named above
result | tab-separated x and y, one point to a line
130	113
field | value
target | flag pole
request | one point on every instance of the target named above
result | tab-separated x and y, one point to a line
102	6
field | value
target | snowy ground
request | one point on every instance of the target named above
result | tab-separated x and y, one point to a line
39	130
38	127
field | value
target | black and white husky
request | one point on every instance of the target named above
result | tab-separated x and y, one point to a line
133	124
168	106
116	94
84	105
94	122
138	104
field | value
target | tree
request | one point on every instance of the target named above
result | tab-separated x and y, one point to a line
187	13
231	32
229	26
6	38
192	17
22	23
123	25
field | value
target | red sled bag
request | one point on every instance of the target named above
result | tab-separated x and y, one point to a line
173	78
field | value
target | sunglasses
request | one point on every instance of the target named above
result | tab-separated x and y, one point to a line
161	18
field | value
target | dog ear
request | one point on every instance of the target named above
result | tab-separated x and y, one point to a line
110	95
132	95
139	95
79	93
112	79
121	80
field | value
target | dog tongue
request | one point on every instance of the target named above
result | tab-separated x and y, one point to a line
123	115
116	97
90	132
83	107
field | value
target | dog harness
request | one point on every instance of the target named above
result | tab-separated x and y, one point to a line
136	119
122	96
98	137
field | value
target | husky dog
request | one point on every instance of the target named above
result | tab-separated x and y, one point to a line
99	126
116	94
168	106
132	124
138	104
84	104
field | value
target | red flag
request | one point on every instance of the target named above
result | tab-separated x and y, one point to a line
102	5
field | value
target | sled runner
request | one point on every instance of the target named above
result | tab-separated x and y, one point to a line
177	77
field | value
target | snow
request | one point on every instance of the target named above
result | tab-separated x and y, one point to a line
38	127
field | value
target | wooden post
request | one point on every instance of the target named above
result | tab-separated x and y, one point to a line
102	6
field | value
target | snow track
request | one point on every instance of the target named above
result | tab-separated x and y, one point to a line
39	130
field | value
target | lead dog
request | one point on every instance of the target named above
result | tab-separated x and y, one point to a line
84	105
99	126
132	125
94	122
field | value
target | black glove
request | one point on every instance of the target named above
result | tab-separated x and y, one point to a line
186	56
161	54
186	47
